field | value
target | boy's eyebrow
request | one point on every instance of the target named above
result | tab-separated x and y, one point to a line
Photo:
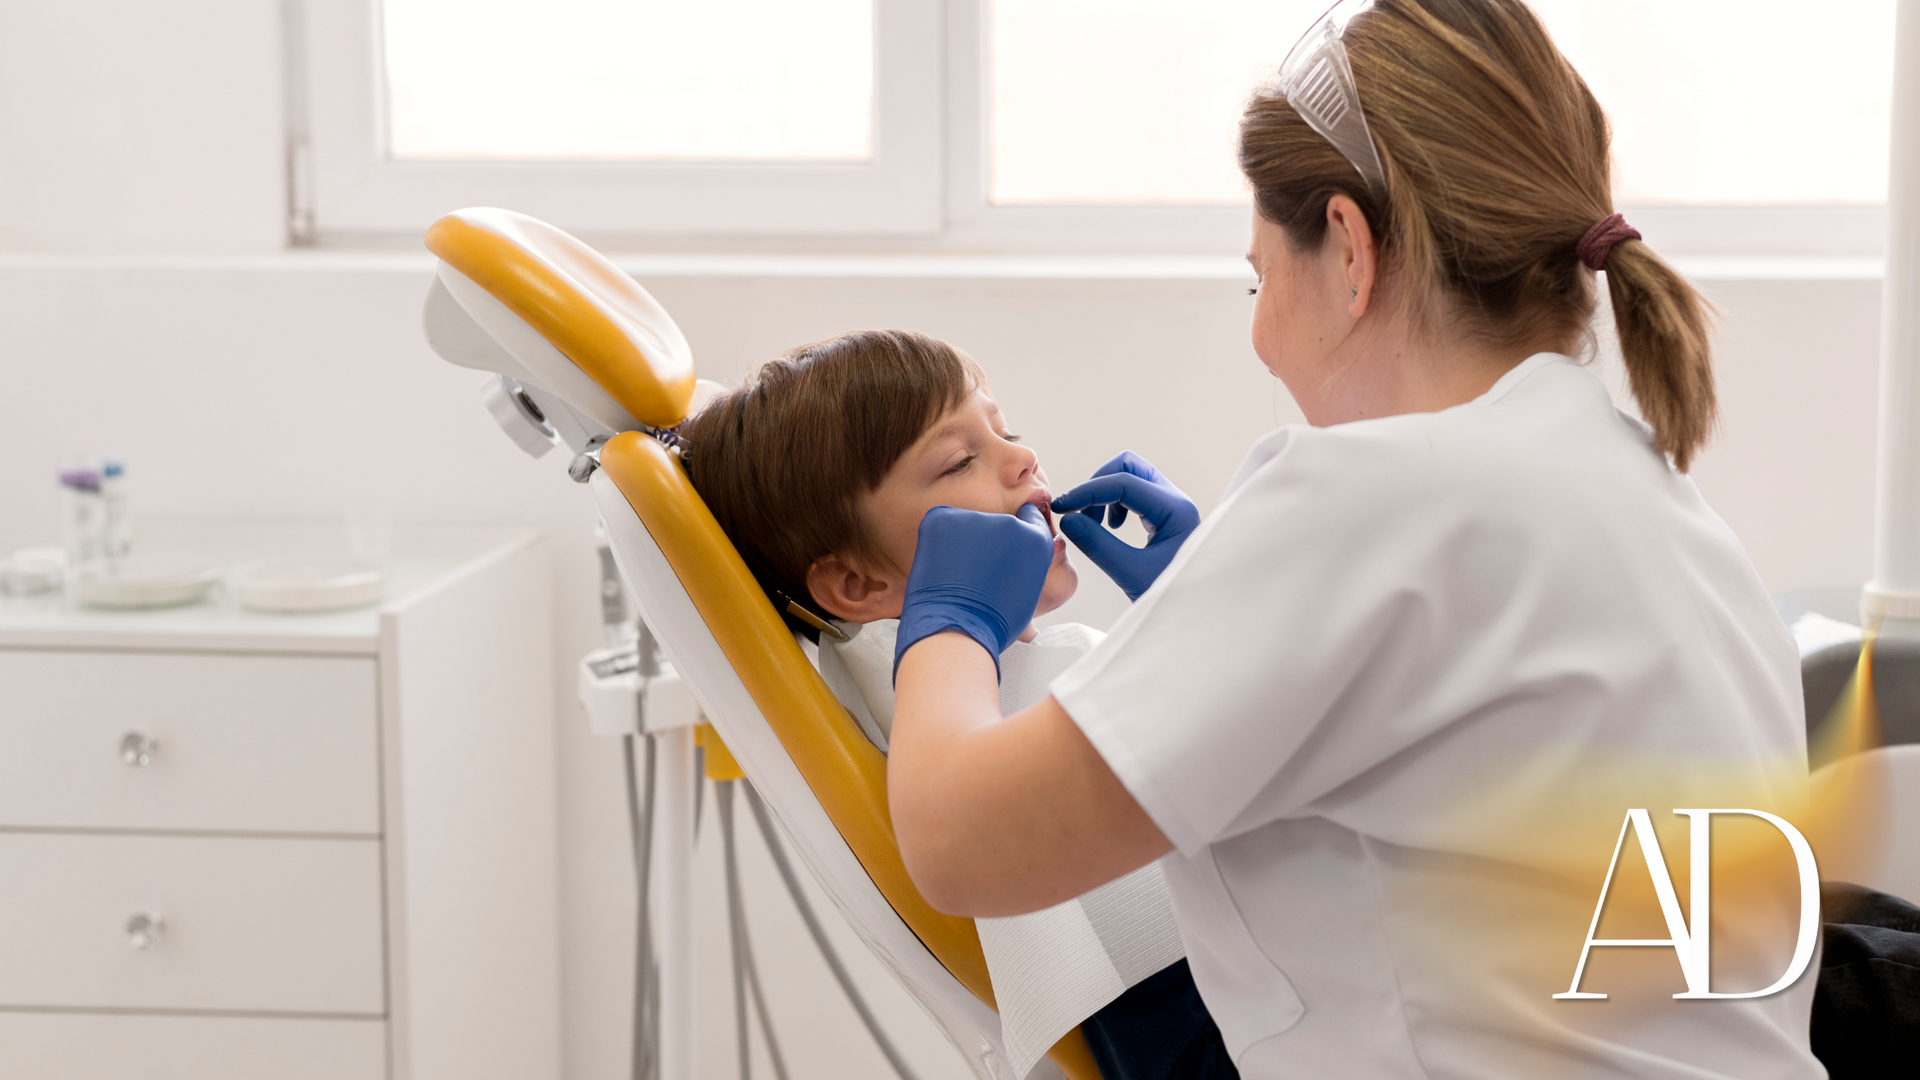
951	427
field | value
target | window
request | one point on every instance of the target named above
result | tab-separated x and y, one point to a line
1713	101
619	118
1127	102
1742	102
654	80
1740	125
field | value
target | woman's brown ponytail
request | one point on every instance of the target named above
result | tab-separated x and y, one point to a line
1662	324
1498	170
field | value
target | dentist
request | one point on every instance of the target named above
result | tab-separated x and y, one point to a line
1466	578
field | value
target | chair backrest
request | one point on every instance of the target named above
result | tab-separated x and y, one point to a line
824	781
659	591
844	772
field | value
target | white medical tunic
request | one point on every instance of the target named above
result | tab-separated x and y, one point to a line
1384	625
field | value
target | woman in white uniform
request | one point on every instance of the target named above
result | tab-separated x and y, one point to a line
1434	616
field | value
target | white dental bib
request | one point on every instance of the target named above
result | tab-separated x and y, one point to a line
1054	968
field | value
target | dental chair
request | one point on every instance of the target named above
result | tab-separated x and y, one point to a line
580	355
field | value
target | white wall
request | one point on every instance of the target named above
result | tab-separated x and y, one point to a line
1792	470
145	309
140	127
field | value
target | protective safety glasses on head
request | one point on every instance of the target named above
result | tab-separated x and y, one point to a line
1317	81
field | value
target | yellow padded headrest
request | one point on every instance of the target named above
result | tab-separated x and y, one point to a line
584	306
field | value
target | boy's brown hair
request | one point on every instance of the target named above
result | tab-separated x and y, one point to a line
784	460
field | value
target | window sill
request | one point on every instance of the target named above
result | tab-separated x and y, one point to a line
1223	268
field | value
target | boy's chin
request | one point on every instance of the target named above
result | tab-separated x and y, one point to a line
1062	581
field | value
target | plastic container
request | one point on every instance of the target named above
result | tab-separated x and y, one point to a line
32	570
117	525
83	515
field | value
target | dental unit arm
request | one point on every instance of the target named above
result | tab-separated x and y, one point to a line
579	355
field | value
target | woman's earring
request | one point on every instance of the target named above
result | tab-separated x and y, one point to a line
1353	293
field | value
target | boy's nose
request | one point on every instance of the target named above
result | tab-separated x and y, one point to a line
1020	464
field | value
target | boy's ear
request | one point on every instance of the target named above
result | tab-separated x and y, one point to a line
847	591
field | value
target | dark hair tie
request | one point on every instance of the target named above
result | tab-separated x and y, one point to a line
1597	244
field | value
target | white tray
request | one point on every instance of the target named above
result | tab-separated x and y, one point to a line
309	583
144	581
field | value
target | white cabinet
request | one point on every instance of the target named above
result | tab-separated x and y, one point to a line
236	845
248	924
184	1047
252	743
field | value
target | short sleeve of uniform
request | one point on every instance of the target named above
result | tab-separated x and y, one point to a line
1232	693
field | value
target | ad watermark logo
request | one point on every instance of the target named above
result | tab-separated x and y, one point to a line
1689	937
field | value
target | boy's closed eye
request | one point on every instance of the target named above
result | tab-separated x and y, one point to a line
960	466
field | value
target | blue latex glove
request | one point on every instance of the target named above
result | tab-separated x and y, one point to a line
1128	482
977	573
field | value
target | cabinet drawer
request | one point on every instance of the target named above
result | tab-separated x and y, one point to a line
270	925
83	1046
241	743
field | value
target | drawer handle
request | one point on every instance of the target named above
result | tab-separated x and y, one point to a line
137	748
144	928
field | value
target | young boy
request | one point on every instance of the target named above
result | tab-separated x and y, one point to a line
819	469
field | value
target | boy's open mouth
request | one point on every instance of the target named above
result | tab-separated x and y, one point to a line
1042	500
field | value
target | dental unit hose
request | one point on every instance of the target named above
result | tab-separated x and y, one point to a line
779	855
645	981
620	627
746	976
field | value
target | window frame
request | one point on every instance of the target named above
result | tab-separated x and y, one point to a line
356	188
925	190
973	221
